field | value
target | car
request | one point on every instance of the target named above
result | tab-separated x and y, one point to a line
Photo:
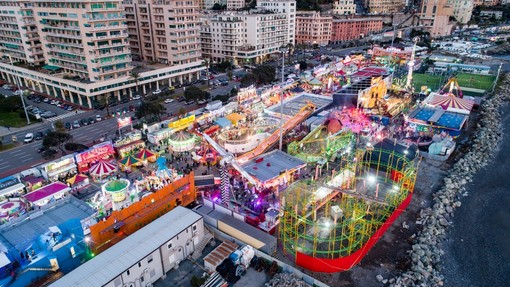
137	97
168	101
156	92
113	104
46	100
18	92
181	99
38	136
70	108
124	100
84	122
76	124
28	138
49	153
91	120
67	125
6	87
202	101
98	118
190	102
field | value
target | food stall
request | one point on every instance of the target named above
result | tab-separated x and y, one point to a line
78	181
32	182
11	185
102	151
46	194
58	169
129	144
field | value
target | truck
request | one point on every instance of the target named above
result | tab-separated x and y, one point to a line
214	105
232	268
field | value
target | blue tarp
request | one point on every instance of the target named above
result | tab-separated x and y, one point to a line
223	122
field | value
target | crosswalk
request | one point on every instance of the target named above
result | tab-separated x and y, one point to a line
63	116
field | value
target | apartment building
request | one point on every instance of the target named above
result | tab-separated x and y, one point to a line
18	33
79	50
235	4
287	7
313	28
344	7
385	6
355	28
462	10
435	17
164	31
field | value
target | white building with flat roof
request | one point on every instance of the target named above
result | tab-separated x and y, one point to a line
144	256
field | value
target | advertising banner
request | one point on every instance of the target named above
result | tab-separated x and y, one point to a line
123	122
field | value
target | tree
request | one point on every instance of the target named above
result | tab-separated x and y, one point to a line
59	126
248	80
303	65
264	74
290	48
135	77
207	64
217	7
182	111
233	92
223	66
229	74
150	111
194	93
56	139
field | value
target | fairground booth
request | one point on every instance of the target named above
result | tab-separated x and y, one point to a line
32	182
129	144
59	169
11	186
46	194
99	152
78	181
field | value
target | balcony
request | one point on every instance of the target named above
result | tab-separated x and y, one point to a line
70	36
106	37
105	28
109	54
246	48
68	51
66	44
62	27
119	17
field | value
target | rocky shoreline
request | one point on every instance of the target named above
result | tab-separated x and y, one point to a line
426	252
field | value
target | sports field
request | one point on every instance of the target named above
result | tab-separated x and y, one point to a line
481	82
433	82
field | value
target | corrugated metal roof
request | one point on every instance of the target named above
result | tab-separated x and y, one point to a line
269	165
118	258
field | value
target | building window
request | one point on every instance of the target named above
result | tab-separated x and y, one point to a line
194	227
169	245
149	259
127	272
139	264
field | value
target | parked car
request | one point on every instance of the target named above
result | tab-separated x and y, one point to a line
67	125
76	124
202	101
156	92
38	136
98	118
189	102
181	99
137	97
70	108
124	100
6	87
168	101
46	100
84	122
91	120
28	138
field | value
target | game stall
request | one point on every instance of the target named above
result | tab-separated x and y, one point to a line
47	194
100	152
59	169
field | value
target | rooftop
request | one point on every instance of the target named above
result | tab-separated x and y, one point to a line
103	268
270	165
21	231
293	105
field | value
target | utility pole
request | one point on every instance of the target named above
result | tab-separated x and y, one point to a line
283	51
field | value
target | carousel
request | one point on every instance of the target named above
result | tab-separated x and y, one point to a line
102	169
116	194
181	141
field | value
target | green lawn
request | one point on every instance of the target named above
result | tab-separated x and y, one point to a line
481	82
6	146
433	82
12	120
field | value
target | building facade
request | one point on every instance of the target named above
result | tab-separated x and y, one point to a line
80	51
435	17
248	37
385	6
313	28
164	31
287	7
235	4
355	28
344	7
462	10
19	37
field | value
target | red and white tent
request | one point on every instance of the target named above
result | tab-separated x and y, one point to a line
102	168
451	103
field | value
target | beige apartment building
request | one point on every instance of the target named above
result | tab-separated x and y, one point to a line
462	10
164	31
385	6
79	50
344	7
435	17
18	32
313	28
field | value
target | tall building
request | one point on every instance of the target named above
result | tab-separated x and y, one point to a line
354	28
435	17
85	38
79	50
235	4
313	28
19	37
287	7
462	10
385	6
344	7
164	31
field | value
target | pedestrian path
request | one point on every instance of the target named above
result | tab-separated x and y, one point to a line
63	116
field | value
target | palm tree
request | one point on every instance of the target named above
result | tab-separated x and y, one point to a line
207	63
290	46
135	76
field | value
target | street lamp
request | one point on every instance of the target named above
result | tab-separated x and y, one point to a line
283	50
21	94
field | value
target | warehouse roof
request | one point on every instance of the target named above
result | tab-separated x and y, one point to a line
106	266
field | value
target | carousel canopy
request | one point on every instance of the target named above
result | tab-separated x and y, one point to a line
452	103
102	168
145	153
180	137
129	160
77	178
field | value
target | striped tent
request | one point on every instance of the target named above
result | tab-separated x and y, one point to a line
102	168
129	161
145	153
452	103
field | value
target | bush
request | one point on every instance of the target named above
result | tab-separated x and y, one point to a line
75	147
